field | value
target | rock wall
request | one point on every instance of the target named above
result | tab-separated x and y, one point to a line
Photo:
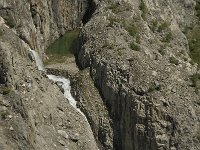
33	111
39	23
138	59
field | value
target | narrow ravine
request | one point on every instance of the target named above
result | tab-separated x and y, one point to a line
63	82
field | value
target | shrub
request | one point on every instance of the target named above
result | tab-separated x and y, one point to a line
113	21
5	90
117	8
173	60
154	26
134	46
194	44
4	114
163	26
10	21
1	32
197	8
195	78
154	87
167	37
132	29
144	9
161	51
114	7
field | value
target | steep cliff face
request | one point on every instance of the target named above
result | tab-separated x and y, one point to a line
33	111
39	23
139	61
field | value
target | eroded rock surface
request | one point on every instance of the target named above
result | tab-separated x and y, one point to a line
139	61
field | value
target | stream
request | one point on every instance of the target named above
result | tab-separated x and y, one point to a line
63	82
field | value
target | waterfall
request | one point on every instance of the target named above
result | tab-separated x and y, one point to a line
65	83
38	61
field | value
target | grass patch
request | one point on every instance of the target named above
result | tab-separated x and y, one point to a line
132	29
108	45
134	46
62	47
162	51
173	60
1	32
154	26
154	87
163	26
168	37
5	90
4	114
117	8
197	8
10	21
195	78
144	9
114	7
194	44
115	20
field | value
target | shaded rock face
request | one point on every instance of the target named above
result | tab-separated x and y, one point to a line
91	104
147	93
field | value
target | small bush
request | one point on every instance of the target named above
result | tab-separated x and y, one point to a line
173	60
194	44
10	21
163	26
108	45
134	46
197	8
1	32
195	78
154	87
132	29
5	90
113	21
117	8
144	9
154	26
4	114
161	51
167	37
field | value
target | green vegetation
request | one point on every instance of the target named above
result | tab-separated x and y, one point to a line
144	9
1	32
134	46
173	60
161	51
154	26
10	21
195	78
154	87
167	37
117	8
132	29
198	134
163	26
4	114
194	44
108	45
197	8
5	90
62	47
115	20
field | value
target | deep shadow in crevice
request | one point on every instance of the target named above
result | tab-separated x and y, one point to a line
90	10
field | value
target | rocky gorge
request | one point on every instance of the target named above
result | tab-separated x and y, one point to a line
134	74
